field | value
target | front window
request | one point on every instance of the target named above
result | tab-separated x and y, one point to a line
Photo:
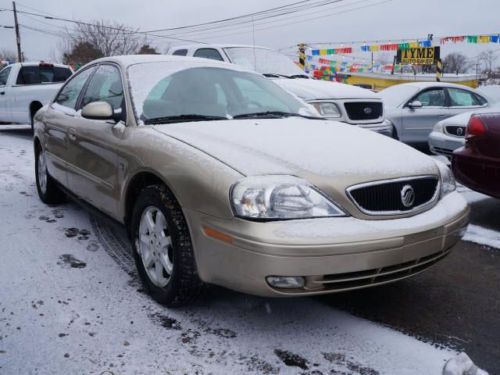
162	91
70	93
264	61
432	98
4	75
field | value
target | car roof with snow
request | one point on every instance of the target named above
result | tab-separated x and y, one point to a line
128	60
423	85
214	45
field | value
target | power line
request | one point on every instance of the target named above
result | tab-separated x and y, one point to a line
264	16
231	18
290	17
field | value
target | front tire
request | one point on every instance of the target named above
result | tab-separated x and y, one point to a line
162	247
47	188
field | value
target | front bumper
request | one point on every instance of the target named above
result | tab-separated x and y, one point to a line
385	127
443	144
332	255
477	172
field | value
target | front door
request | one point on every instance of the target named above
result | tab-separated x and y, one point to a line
418	122
58	118
93	174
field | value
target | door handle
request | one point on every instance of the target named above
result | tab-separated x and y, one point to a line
72	134
2	92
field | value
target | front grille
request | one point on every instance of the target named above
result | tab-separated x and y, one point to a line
362	279
386	197
457	131
364	110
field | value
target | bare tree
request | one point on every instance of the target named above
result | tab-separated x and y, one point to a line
100	38
146	49
8	55
456	63
488	59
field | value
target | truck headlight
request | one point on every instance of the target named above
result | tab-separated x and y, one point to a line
448	184
280	198
328	109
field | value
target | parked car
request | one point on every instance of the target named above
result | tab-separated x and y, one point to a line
491	92
27	87
414	108
477	164
449	134
223	177
335	101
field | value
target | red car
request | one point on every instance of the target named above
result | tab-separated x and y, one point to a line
477	164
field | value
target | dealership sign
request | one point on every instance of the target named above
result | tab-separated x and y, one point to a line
418	55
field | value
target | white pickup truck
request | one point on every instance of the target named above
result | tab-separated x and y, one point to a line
27	87
333	100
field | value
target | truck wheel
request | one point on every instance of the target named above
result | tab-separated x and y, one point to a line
162	248
47	188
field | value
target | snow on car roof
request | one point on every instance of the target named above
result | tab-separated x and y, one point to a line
432	84
128	60
214	45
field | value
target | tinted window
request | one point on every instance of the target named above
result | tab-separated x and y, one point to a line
69	94
208	53
432	98
105	86
4	75
462	98
180	52
32	75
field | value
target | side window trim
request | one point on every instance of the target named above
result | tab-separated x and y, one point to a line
445	91
79	101
472	94
70	79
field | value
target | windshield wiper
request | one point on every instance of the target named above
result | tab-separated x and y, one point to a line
272	114
182	118
277	75
294	76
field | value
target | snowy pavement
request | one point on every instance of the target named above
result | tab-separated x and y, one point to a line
68	307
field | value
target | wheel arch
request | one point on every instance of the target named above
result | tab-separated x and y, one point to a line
138	182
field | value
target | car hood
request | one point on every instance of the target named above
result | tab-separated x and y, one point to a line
329	154
311	89
462	119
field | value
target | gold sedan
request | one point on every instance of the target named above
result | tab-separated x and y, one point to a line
222	177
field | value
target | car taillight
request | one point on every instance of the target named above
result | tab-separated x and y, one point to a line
475	127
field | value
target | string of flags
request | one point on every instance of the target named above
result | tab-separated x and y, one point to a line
473	39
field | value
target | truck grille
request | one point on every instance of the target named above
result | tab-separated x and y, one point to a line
393	196
457	131
364	110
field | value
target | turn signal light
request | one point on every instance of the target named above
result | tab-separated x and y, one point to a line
475	127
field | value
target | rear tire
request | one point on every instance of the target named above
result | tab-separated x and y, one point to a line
47	188
162	248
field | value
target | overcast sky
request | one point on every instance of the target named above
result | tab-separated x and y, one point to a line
387	19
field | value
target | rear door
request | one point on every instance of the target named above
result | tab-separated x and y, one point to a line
461	100
94	144
4	95
418	122
58	118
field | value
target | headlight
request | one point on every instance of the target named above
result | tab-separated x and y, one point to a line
448	184
279	198
438	128
328	109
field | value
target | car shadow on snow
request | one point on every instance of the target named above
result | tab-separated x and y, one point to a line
20	131
485	213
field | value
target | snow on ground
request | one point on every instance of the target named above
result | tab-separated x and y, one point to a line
66	307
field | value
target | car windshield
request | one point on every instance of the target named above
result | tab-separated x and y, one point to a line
264	61
398	94
163	93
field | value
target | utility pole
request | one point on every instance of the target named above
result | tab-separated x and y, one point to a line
18	35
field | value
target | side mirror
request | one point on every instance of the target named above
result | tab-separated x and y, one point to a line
98	111
415	104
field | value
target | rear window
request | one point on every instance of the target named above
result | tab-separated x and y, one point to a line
180	52
33	75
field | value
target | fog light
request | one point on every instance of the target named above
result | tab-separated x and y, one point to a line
288	282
